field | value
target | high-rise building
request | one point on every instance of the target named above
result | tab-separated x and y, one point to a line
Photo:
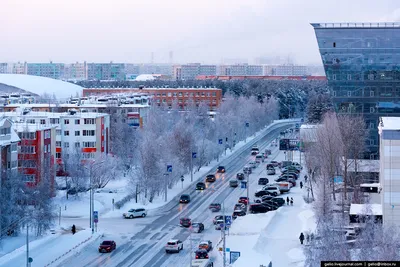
5	67
241	70
49	70
106	71
362	64
191	71
76	71
20	68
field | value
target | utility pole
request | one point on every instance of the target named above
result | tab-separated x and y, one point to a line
223	233
191	166
248	185
191	245
27	246
166	186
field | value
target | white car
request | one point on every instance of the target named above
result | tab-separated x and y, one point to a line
174	245
132	213
273	189
253	164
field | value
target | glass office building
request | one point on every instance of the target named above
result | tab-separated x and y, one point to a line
362	64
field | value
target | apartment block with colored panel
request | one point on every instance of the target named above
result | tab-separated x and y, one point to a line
8	149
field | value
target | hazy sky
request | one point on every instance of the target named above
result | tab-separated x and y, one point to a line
197	31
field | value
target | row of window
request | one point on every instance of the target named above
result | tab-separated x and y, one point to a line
27	149
78	144
360	92
5	131
186	94
77	133
214	101
26	135
27	163
90	155
78	121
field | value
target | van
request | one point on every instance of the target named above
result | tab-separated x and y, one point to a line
284	186
259	158
202	263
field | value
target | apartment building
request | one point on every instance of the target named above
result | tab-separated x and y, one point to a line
192	70
36	152
5	67
75	72
49	70
19	68
241	69
106	71
84	133
9	149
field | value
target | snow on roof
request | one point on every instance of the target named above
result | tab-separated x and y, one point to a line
40	85
364	165
43	114
145	77
8	139
390	123
371	185
310	126
365	209
23	127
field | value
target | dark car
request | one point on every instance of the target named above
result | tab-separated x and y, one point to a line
268	151
239	206
218	217
215	207
240	176
200	186
210	178
238	213
107	246
270	166
197	227
185	198
201	254
259	208
221	169
263	181
292	181
273	205
290	168
288	176
290	172
281	179
185	222
243	200
278	200
262	193
275	163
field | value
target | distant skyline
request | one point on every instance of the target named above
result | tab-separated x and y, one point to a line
207	32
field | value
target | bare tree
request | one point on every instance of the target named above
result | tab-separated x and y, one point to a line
103	170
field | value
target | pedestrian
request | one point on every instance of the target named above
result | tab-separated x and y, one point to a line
291	201
73	230
301	185
301	238
308	237
305	178
287	200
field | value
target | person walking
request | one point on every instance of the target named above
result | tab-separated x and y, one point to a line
291	201
301	185
287	200
73	230
301	238
305	178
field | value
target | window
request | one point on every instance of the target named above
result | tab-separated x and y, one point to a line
348	93
42	121
77	145
371	93
14	147
66	121
66	144
8	165
30	121
77	121
88	133
169	94
48	148
58	132
77	133
372	125
27	163
334	77
4	131
89	144
371	110
54	121
349	77
371	76
29	177
91	121
45	149
28	150
58	155
47	134
14	164
66	133
58	143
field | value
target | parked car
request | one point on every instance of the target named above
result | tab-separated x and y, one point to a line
263	181
292	181
290	168
132	213
259	208
271	204
210	178
271	172
200	186
266	198
185	222
247	169
215	207
273	190
297	165
207	245
259	158
233	183
217	218
243	200
220	169
278	200
185	198
174	245
236	214
288	176
197	227
239	207
240	176
281	179
201	254
261	193
275	163
107	246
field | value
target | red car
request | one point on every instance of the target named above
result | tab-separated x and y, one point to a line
185	222
243	200
107	246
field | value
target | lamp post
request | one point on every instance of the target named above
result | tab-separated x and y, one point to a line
248	185
91	197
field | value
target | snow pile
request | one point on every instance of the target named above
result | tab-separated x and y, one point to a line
40	85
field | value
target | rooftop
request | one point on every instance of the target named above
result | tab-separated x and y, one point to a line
153	88
37	114
360	25
390	123
365	209
27	127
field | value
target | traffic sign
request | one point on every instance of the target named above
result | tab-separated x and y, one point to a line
194	155
182	179
220	141
96	216
234	255
228	220
30	260
243	184
227	249
221	225
169	168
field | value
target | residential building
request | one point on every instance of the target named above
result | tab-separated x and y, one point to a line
19	68
36	152
75	72
389	131
177	73
5	67
241	69
285	70
191	71
164	69
273	78
49	70
361	62
106	71
9	149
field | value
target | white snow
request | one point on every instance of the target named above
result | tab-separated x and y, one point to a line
145	77
390	123
371	185
371	209
40	85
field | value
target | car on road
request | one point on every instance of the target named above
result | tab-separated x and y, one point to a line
218	224
240	176
210	178
107	246
215	207
268	151
265	155
274	163
236	214
185	222
272	189
133	213
220	169
271	204
261	193
263	181
200	186
243	200
197	227
202	263
201	254
254	150
247	169
259	208
271	172
253	164
207	245
233	183
273	143
185	198
217	218
259	158
174	245
239	207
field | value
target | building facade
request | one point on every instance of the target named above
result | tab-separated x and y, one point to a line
9	149
362	64
106	71
49	70
240	69
191	71
75	72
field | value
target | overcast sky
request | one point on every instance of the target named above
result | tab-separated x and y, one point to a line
196	31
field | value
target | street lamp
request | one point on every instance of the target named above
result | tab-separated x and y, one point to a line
91	198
